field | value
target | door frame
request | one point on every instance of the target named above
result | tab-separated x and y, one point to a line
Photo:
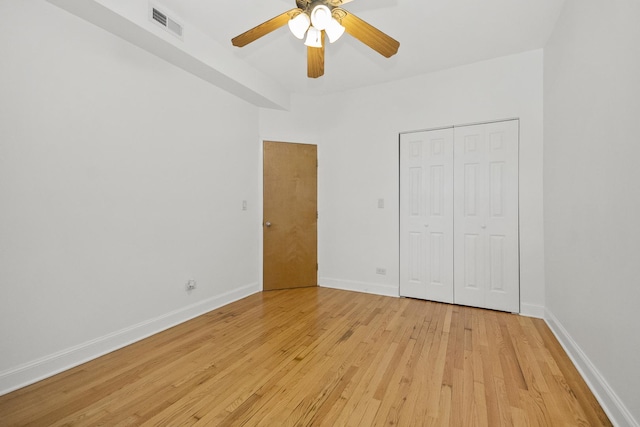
260	204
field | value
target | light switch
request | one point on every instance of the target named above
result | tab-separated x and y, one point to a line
380	203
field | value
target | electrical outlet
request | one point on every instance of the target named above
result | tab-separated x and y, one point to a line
382	271
380	203
191	285
244	205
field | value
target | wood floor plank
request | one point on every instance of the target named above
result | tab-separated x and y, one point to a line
323	357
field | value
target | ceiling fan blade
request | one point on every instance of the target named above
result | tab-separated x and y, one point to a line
315	59
338	3
369	35
263	29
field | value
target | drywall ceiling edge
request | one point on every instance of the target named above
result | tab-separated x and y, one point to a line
196	53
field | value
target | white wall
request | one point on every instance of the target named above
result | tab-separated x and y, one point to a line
121	177
592	195
358	156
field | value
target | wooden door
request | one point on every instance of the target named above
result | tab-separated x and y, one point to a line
486	245
290	216
426	212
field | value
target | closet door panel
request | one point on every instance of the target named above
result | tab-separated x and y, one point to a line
426	209
486	255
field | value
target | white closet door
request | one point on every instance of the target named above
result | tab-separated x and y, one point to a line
426	212
486	255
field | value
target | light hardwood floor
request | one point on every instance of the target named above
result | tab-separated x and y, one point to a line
320	356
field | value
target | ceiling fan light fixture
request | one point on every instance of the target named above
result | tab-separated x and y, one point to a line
299	25
334	30
313	37
321	17
315	18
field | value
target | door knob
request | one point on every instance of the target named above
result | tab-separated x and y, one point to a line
267	224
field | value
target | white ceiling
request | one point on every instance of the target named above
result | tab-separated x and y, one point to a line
433	35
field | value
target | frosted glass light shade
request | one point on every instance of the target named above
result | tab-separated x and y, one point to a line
320	17
313	37
299	25
334	30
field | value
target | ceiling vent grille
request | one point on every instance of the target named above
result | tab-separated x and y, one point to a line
159	17
162	19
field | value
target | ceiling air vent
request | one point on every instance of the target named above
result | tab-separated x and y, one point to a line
165	21
159	17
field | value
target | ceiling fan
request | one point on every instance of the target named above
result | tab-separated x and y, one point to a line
315	18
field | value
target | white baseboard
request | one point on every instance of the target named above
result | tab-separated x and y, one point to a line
36	370
615	409
532	310
352	285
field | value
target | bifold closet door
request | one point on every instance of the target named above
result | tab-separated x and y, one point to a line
426	212
486	254
459	215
